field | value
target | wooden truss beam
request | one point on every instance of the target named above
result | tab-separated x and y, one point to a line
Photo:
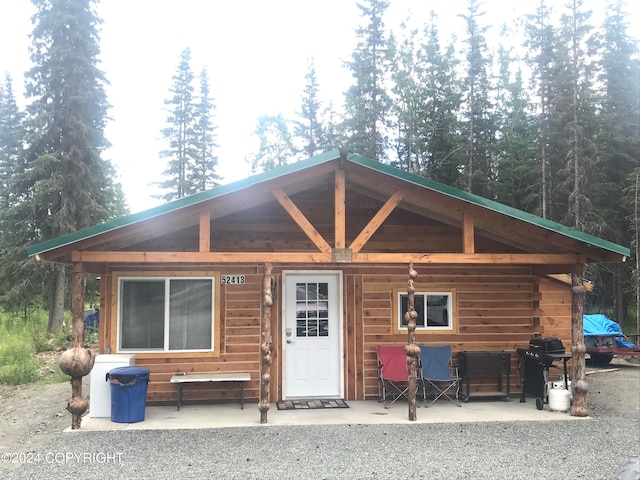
468	235
205	231
469	258
340	209
302	221
382	214
322	257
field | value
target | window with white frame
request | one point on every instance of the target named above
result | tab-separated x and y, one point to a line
434	310
166	314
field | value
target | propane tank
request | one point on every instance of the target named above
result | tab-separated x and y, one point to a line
559	399
561	379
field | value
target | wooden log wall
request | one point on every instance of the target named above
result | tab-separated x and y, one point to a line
555	317
555	310
498	308
240	307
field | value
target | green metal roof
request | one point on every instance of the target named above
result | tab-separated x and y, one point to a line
89	232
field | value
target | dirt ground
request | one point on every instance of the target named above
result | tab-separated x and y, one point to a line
31	415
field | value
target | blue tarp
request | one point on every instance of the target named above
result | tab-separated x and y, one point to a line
92	319
598	324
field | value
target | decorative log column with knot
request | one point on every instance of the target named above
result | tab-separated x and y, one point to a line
78	360
265	344
579	383
412	350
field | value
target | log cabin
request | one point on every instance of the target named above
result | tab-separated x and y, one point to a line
295	275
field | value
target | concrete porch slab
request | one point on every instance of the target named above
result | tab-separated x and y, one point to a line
367	412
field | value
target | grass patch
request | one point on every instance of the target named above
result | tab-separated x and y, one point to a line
22	343
18	362
58	377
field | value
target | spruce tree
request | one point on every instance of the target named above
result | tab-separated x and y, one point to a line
619	159
582	180
180	133
445	152
517	179
308	130
366	102
620	114
275	144
69	186
540	44
11	138
479	129
17	290
426	103
204	175
408	101
333	134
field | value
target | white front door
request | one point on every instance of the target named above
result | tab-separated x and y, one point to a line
313	335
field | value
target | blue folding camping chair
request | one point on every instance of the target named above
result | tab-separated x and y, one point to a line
438	374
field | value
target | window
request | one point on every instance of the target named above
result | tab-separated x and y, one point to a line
166	314
312	309
435	311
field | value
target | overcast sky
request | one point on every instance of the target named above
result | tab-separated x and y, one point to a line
255	52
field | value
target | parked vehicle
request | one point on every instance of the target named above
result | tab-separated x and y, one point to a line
605	339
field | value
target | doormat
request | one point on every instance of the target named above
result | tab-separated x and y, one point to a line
310	404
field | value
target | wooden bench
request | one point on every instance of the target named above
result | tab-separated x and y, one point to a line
239	377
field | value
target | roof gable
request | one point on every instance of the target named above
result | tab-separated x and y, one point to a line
490	205
363	172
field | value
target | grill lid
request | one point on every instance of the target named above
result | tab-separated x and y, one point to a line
546	345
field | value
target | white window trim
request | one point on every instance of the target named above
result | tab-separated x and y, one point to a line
167	282
451	311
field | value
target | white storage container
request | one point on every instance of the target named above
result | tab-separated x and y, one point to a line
100	389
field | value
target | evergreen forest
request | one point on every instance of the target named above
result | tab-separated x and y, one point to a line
546	119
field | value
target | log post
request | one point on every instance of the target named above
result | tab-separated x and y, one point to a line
579	383
411	350
78	360
265	344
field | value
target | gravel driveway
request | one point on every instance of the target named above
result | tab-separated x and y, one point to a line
591	449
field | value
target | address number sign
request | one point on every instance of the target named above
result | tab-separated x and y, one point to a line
232	279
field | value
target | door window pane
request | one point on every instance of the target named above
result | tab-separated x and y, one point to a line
312	309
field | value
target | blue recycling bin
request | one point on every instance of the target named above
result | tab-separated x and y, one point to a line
128	393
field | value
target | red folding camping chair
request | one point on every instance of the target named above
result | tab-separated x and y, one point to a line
393	379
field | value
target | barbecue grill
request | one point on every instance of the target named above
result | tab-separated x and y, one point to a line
534	364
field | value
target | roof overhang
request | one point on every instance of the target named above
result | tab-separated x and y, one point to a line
388	185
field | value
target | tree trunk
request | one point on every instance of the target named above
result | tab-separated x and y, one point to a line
636	229
577	191
579	383
78	360
411	350
619	301
265	344
56	310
